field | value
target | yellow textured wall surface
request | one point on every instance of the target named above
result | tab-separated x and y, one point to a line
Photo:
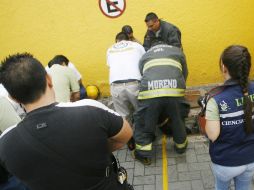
80	31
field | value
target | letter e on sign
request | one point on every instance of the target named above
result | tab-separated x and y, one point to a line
112	8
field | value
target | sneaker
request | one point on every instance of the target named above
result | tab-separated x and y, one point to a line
181	150
144	160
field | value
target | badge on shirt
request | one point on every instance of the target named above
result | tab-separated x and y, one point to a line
224	106
41	125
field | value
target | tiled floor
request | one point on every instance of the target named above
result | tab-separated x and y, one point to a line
189	171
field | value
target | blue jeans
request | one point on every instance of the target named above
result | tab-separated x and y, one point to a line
13	184
83	94
242	176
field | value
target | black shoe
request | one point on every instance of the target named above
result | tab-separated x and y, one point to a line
153	138
181	150
144	160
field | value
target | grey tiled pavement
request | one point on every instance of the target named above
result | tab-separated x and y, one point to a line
189	171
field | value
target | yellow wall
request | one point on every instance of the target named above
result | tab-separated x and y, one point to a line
80	31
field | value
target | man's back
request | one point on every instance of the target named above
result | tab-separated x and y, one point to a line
164	72
164	51
123	58
62	146
170	34
64	82
73	68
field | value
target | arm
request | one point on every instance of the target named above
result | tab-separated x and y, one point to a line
121	138
74	87
174	38
185	69
75	96
117	129
147	40
141	66
142	62
212	127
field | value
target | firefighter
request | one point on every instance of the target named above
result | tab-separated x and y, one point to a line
164	73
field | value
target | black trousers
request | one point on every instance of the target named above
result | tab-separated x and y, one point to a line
151	112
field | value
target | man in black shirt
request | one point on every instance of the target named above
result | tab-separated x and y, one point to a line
58	145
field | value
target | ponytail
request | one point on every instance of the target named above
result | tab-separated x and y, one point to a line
247	104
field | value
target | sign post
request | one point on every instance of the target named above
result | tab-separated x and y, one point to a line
112	8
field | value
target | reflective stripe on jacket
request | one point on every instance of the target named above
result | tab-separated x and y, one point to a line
164	72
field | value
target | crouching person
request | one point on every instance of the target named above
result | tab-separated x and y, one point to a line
164	72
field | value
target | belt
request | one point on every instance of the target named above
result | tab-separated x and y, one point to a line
125	82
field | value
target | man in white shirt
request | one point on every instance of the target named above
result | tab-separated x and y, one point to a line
124	76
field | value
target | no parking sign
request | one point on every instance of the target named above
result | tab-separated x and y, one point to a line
112	8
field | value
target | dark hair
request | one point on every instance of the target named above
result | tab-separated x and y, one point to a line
58	59
237	60
151	16
50	63
24	77
127	29
121	36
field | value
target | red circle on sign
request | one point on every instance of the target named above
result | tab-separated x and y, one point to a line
121	11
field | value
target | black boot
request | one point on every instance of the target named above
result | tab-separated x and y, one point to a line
181	150
142	159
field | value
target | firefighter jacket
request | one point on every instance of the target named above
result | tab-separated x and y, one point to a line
164	72
168	33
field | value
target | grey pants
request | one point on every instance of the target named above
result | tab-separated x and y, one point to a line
124	96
